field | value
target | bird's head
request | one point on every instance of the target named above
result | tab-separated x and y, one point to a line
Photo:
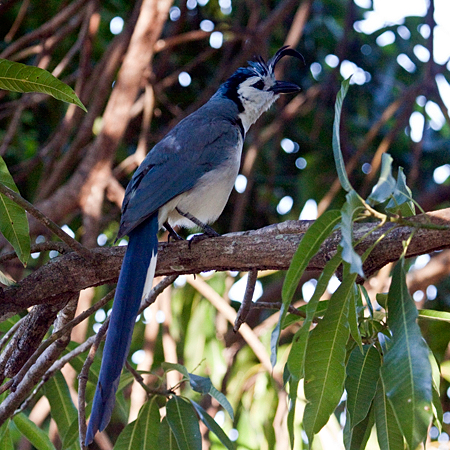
254	88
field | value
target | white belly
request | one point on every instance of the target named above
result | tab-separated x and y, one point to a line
207	199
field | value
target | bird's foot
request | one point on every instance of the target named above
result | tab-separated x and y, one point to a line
172	233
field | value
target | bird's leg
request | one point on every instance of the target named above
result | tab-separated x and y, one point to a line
206	228
172	233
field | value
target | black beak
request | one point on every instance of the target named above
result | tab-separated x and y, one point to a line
283	87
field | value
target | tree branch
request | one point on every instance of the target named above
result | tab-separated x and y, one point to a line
270	247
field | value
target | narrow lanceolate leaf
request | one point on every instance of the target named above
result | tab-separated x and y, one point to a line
308	247
13	219
353	317
386	183
438	412
352	207
401	201
293	389
148	423
166	439
62	408
213	426
5	437
363	372
356	438
184	424
130	438
406	372
33	433
388	433
325	361
19	77
204	386
296	358
338	158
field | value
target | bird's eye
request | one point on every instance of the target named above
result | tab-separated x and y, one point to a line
259	85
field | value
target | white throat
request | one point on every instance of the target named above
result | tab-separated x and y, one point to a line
254	101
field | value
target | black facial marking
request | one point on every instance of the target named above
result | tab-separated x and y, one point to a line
230	87
259	85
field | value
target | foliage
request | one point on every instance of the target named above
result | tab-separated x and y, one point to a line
72	165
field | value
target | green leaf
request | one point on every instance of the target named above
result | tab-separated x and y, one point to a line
401	202
308	247
13	218
438	412
5	437
5	279
406	372
184	424
356	438
352	207
353	317
325	360
200	384
33	433
148	423
223	401
166	439
386	183
130	438
167	367
296	358
293	389
19	77
62	408
388	432
363	372
213	426
338	158
204	386
431	314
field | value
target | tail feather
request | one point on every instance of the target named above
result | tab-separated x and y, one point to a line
135	279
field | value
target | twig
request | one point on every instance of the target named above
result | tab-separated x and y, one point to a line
247	301
47	222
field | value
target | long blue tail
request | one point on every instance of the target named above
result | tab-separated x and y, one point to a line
138	265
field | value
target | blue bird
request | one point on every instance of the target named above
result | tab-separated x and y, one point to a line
191	171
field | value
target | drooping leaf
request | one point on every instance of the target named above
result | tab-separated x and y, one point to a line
325	360
406	372
167	367
337	153
204	386
213	426
363	372
13	218
386	183
39	438
293	389
19	77
308	247
349	211
166	439
401	201
438	412
62	408
296	357
130	438
184	423
5	437
148	423
388	432
355	438
353	317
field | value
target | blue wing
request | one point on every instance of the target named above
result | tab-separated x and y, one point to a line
174	165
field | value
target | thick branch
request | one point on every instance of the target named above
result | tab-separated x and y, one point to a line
271	247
